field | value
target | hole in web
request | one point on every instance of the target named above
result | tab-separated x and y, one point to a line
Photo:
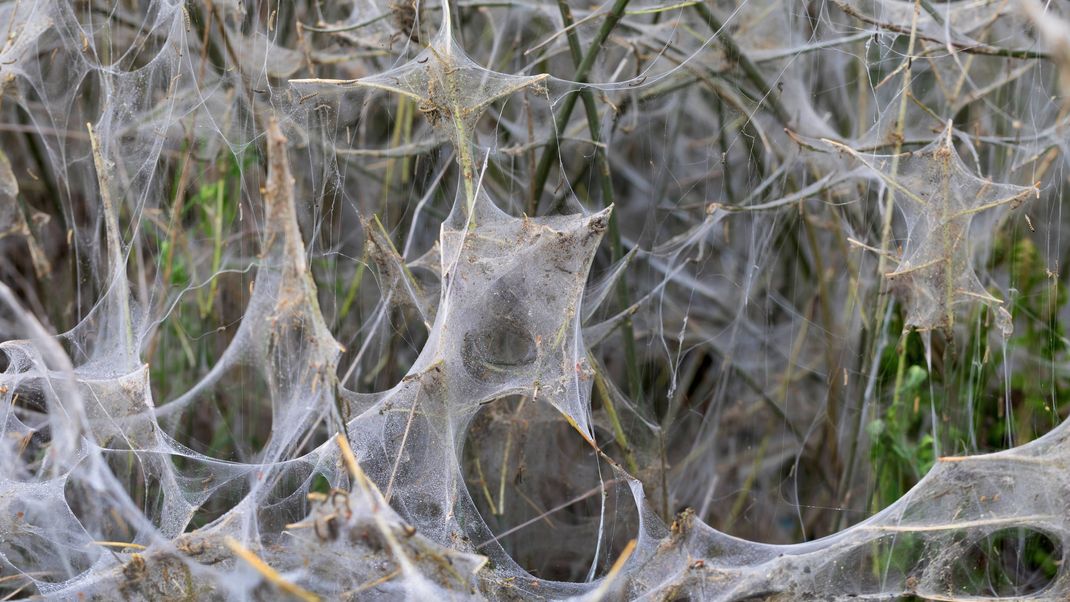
286	500
528	471
225	496
232	420
765	484
197	332
398	350
95	512
34	434
37	554
1007	563
319	484
48	543
393	346
428	280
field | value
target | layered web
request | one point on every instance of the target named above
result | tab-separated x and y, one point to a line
379	300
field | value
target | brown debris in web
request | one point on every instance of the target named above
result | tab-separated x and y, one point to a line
938	197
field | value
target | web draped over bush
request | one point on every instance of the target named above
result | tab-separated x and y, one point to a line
533	300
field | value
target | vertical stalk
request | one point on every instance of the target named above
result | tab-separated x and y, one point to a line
582	70
594	126
886	235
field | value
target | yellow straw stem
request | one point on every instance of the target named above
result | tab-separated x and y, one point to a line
269	573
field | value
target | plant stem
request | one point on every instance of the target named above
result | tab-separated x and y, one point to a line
736	54
635	387
614	417
886	235
582	70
